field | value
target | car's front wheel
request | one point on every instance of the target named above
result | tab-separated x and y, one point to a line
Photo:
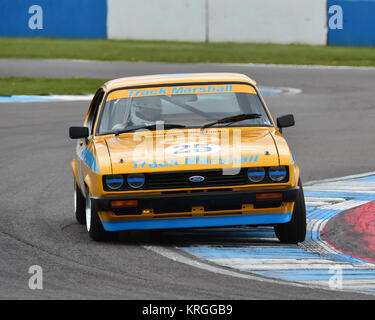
93	224
79	204
295	230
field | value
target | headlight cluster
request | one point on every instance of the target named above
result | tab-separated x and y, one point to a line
136	181
117	181
275	174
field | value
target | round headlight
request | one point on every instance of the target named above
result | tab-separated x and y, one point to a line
136	180
115	181
256	174
277	174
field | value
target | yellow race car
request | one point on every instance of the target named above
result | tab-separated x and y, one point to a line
185	151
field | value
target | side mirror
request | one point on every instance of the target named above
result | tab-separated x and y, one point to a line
285	121
78	132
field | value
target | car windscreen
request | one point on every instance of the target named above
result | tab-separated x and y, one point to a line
190	106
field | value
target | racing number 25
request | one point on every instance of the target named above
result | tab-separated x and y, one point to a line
192	149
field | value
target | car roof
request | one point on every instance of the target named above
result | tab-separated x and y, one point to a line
181	78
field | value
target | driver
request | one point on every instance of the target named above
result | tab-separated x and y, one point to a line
142	111
145	111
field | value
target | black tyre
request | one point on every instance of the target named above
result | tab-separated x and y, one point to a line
93	224
79	204
295	230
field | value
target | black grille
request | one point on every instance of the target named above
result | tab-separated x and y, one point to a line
212	178
180	179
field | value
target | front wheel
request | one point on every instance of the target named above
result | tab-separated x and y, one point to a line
295	230
79	203
93	224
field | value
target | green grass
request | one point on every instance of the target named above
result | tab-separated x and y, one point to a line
183	52
46	86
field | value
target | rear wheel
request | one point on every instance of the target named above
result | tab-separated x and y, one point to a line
295	230
79	205
94	225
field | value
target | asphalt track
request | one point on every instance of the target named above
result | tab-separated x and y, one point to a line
333	137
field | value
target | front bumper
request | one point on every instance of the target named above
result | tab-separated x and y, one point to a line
197	209
181	201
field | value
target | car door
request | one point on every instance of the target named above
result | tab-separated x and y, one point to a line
85	157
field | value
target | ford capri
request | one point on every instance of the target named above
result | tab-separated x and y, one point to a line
185	151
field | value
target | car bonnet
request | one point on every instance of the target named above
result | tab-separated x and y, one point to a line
193	149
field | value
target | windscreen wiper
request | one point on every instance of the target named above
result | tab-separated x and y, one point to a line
232	119
150	127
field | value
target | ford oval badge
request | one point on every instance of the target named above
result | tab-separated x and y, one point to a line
196	179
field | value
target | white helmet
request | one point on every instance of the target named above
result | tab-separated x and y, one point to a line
145	109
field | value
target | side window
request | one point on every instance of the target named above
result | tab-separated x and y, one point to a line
95	103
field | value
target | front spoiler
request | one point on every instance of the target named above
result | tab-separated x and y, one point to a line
205	199
199	222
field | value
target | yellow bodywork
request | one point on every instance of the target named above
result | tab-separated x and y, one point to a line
144	152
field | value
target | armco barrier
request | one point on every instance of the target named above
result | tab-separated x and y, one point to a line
351	22
53	18
317	22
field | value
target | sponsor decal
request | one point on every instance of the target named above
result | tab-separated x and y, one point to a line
195	161
178	90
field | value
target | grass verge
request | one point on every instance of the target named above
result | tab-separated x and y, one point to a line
184	52
46	86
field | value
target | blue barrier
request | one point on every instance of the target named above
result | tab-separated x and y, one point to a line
351	22
53	18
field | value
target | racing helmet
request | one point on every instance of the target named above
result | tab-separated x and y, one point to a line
146	109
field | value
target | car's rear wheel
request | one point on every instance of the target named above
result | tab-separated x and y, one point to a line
94	225
295	230
79	204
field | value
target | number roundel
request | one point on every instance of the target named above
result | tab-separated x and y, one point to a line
192	148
